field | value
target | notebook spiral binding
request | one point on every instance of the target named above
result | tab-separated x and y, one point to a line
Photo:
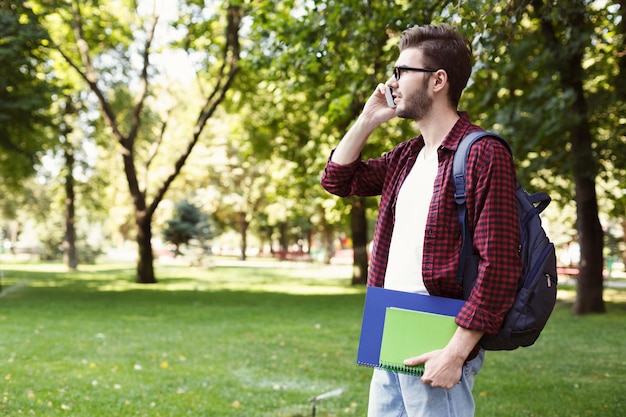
398	367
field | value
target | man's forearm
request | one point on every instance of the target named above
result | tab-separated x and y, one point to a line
375	112
349	149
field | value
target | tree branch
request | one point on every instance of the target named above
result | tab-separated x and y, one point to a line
143	83
156	145
154	149
227	72
89	74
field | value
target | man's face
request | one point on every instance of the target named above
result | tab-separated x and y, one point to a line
413	86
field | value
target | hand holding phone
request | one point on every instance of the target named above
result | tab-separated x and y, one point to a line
389	97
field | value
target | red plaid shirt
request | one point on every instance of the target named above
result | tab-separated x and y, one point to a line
491	210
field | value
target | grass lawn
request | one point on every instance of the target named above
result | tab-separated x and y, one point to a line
257	340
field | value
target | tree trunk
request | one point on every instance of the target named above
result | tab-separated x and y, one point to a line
328	241
70	257
308	237
282	237
620	89
590	283
145	261
568	58
624	240
359	241
243	231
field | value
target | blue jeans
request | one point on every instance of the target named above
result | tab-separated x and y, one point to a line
400	395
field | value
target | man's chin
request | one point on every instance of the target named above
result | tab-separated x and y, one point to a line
403	113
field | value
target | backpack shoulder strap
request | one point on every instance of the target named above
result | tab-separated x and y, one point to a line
459	165
459	168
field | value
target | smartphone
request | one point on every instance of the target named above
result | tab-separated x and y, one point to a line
389	97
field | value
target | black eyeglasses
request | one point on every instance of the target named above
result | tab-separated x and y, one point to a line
397	71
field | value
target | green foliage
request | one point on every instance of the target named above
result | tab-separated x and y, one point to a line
188	223
316	63
315	66
107	27
518	86
26	92
305	71
546	79
51	250
118	50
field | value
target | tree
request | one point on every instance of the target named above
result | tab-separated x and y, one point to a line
187	223
26	93
70	255
550	92
326	58
614	101
241	181
568	53
529	52
92	53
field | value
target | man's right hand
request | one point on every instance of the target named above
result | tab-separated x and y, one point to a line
375	112
376	108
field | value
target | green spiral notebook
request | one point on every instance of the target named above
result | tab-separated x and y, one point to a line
409	333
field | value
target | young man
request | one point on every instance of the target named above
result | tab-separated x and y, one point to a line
417	237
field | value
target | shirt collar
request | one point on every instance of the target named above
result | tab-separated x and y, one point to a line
458	131
453	138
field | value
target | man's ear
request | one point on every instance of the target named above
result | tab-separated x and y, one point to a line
441	80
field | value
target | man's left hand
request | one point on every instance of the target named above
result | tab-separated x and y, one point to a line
441	369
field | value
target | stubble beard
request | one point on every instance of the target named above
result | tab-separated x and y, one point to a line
416	106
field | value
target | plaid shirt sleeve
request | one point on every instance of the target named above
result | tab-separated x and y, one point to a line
336	178
359	178
366	178
492	212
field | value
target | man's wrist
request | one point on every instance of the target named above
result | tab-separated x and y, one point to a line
463	343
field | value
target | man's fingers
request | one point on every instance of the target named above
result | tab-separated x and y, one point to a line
417	360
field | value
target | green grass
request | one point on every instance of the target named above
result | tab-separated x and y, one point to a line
577	368
255	341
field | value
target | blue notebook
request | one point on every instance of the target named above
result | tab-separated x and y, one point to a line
377	300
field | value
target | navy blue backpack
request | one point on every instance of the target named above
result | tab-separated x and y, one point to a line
536	294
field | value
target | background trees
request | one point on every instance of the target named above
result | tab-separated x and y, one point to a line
326	69
26	94
548	76
112	54
549	83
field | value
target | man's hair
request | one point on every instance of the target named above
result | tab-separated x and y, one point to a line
445	48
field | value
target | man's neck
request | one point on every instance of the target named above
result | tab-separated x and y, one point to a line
436	126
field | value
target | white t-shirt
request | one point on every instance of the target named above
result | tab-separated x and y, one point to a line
404	267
